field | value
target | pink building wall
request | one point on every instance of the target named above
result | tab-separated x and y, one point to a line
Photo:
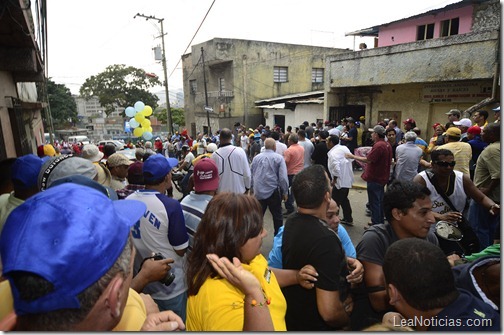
406	31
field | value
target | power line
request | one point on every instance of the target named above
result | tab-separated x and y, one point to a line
192	39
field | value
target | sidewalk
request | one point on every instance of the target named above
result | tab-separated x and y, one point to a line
359	183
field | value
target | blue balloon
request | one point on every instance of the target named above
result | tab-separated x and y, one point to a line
133	123
130	111
147	135
139	106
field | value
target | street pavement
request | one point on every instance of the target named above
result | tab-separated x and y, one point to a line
358	200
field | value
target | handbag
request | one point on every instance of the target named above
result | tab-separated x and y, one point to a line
470	242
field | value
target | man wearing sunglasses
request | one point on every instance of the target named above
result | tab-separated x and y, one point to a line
455	184
462	151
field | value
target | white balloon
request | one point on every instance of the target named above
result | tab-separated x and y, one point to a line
147	135
130	111
133	123
139	106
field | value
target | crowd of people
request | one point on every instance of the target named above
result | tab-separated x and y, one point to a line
93	239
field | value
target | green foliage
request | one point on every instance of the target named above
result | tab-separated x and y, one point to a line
120	85
62	104
178	116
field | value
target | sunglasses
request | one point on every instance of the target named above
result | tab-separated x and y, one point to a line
445	164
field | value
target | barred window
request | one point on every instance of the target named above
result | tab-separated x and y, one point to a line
193	86
280	74
317	75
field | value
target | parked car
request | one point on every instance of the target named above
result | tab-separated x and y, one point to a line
118	145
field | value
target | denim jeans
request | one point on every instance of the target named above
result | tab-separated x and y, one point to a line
176	304
274	203
375	193
289	204
483	223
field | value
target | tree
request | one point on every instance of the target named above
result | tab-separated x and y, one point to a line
176	113
121	85
62	104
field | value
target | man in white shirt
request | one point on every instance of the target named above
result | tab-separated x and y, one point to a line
341	176
233	165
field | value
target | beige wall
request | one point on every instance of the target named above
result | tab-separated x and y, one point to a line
7	88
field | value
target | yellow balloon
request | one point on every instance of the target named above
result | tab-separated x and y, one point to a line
146	123
147	110
139	117
138	131
149	129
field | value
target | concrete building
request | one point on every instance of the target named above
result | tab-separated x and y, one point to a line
422	67
92	116
22	61
240	72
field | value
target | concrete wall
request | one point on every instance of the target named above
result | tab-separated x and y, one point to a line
461	57
247	68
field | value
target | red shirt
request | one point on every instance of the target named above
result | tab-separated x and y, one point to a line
379	160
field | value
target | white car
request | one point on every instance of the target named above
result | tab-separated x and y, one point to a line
118	145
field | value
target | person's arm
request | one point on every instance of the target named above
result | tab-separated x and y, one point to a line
375	283
331	309
151	271
257	316
304	277
358	158
478	196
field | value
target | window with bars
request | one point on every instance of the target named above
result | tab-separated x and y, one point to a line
449	27
280	74
193	86
317	75
222	84
425	32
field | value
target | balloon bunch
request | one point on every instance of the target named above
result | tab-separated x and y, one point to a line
139	121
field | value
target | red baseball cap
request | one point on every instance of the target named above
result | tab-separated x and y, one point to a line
206	175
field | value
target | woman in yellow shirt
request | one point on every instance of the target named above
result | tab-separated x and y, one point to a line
250	297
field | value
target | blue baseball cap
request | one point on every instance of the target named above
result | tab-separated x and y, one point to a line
25	171
157	166
70	235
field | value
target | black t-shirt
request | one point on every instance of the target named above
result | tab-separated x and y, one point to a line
308	240
319	154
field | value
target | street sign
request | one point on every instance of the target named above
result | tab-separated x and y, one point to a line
208	109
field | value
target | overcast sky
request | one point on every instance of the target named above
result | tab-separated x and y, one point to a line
84	37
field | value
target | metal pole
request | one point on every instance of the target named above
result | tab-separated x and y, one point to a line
206	94
168	107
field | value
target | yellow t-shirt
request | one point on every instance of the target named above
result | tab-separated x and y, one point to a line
218	306
134	314
133	317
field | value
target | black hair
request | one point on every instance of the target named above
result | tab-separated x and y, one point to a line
421	273
309	186
402	195
302	133
483	113
334	139
109	149
323	134
274	135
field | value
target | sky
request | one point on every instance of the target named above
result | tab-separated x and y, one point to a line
84	37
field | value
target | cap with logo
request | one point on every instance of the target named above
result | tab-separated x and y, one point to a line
64	166
410	121
70	235
206	175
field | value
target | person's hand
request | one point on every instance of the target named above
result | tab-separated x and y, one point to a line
307	277
392	319
235	273
150	304
356	271
451	217
155	270
348	304
163	321
452	259
350	156
495	209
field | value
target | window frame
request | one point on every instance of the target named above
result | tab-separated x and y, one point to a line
280	74
316	75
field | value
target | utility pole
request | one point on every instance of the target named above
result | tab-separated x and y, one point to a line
207	108
168	108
